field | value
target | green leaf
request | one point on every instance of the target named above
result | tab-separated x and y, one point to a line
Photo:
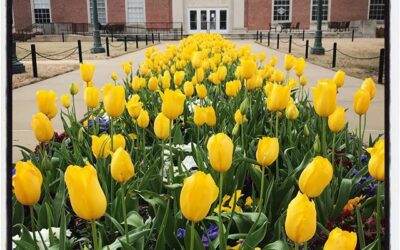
63	231
277	245
360	229
116	224
198	245
24	244
371	246
255	237
161	237
244	221
134	219
343	197
133	237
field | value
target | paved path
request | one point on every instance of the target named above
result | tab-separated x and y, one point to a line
24	103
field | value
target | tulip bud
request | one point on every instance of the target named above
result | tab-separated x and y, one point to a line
220	152
162	126
143	119
114	76
188	88
198	193
87	71
317	145
376	165
46	102
340	239
122	168
211	118
87	198
306	130
339	77
244	105
291	112
239	118
316	176
303	80
290	61
267	151
337	119
301	219
201	91
27	183
42	127
73	88
65	101
235	129
361	101
127	67
80	135
369	85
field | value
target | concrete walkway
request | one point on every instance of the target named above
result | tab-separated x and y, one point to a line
24	100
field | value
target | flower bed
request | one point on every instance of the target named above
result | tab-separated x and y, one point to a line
206	146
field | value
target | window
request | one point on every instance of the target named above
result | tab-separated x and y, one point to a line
325	10
41	11
101	11
282	10
136	11
377	9
193	19
222	19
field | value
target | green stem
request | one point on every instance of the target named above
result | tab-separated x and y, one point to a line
305	247
289	132
33	225
144	146
94	235
124	212
324	146
333	149
221	226
260	201
112	149
360	144
378	214
296	246
365	124
162	164
171	165
192	236
276	135
73	107
243	138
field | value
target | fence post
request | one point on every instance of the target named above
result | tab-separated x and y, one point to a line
260	37
34	64
137	41
352	36
269	35
303	34
159	39
381	64
80	51
290	44
107	47
257	36
125	44
334	55
62	35
306	55
277	41
112	36
146	40
152	37
181	31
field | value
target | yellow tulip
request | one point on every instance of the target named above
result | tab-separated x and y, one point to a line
73	88
87	71
290	61
199	116
262	56
273	61
127	67
134	106
232	88
303	80
91	97
239	118
291	111
114	76
340	239
220	152
299	66
376	165
122	168
87	198
101	146
222	72
136	83
166	80
211	118
143	119
161	126
324	98
172	103
198	193
201	91
42	127
27	183
301	219
196	59
199	74
118	142
337	119
65	101
114	100
361	101
153	83
278	76
268	88
292	83
249	69
267	151
46	102
278	98
339	77
369	85
178	77
188	88
315	177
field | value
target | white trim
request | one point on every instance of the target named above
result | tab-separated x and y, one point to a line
33	11
328	14
90	13
282	21
217	21
369	6
126	12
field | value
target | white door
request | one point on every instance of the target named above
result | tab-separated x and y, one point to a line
208	20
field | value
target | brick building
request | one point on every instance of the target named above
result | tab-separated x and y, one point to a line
224	16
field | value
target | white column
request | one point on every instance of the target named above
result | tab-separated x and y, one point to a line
238	14
177	11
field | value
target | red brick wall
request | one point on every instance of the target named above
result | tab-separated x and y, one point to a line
301	10
158	13
258	14
245	13
348	10
22	14
71	11
116	11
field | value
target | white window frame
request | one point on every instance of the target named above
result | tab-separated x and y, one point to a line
282	21
89	13
51	18
329	13
126	12
369	6
217	10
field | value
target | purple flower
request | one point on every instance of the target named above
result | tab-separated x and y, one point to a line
180	233
212	234
103	124
364	158
14	171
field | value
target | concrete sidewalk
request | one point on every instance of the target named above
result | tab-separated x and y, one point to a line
24	100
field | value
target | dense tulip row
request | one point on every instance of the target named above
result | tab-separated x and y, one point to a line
182	148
